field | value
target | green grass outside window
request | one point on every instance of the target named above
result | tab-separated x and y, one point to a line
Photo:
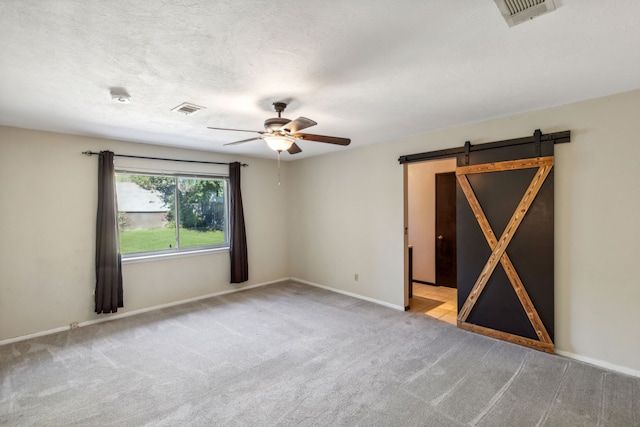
157	239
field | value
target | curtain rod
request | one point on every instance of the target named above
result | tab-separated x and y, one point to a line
93	153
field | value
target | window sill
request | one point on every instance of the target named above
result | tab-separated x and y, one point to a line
159	257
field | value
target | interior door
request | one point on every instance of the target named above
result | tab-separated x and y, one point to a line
445	242
505	248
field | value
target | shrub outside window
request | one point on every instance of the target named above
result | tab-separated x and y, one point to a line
171	213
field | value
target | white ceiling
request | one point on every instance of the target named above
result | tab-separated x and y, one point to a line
370	70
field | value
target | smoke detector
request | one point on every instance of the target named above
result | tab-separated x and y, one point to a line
187	109
120	96
518	11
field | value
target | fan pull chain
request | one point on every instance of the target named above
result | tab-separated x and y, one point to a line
279	167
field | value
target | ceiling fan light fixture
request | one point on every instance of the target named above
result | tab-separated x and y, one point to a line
279	142
281	134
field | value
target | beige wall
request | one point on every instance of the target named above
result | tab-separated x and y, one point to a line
421	211
344	223
349	217
47	223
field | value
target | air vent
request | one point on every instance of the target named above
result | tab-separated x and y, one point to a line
518	11
187	109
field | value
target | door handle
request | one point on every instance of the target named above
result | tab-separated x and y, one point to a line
440	237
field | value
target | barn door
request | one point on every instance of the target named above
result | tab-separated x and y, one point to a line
505	243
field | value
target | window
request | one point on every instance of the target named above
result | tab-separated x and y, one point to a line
171	213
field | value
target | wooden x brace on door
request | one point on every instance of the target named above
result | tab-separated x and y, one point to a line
499	247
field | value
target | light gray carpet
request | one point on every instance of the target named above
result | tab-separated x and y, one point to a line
290	354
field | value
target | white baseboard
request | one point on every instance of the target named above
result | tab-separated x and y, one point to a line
599	363
585	359
115	316
34	335
589	360
340	291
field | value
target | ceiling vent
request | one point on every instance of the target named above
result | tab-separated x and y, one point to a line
518	11
187	109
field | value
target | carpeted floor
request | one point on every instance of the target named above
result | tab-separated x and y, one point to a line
293	355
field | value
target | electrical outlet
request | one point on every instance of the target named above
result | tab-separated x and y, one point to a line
73	325
355	277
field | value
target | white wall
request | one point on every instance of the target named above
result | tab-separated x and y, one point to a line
421	210
48	194
349	218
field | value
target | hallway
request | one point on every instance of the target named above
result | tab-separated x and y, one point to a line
439	302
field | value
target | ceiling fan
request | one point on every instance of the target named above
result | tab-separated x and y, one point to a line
281	134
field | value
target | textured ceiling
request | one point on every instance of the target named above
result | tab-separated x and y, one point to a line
371	70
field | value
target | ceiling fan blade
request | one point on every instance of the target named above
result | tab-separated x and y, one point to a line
323	138
243	141
294	149
298	124
235	130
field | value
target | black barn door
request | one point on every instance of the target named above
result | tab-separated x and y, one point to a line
505	243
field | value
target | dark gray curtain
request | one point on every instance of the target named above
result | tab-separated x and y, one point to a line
108	259
238	238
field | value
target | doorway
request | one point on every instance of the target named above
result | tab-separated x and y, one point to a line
427	296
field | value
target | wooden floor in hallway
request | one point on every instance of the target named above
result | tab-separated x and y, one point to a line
435	301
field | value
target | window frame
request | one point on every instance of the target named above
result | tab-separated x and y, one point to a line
179	251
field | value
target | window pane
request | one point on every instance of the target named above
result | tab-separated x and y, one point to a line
146	220
202	212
